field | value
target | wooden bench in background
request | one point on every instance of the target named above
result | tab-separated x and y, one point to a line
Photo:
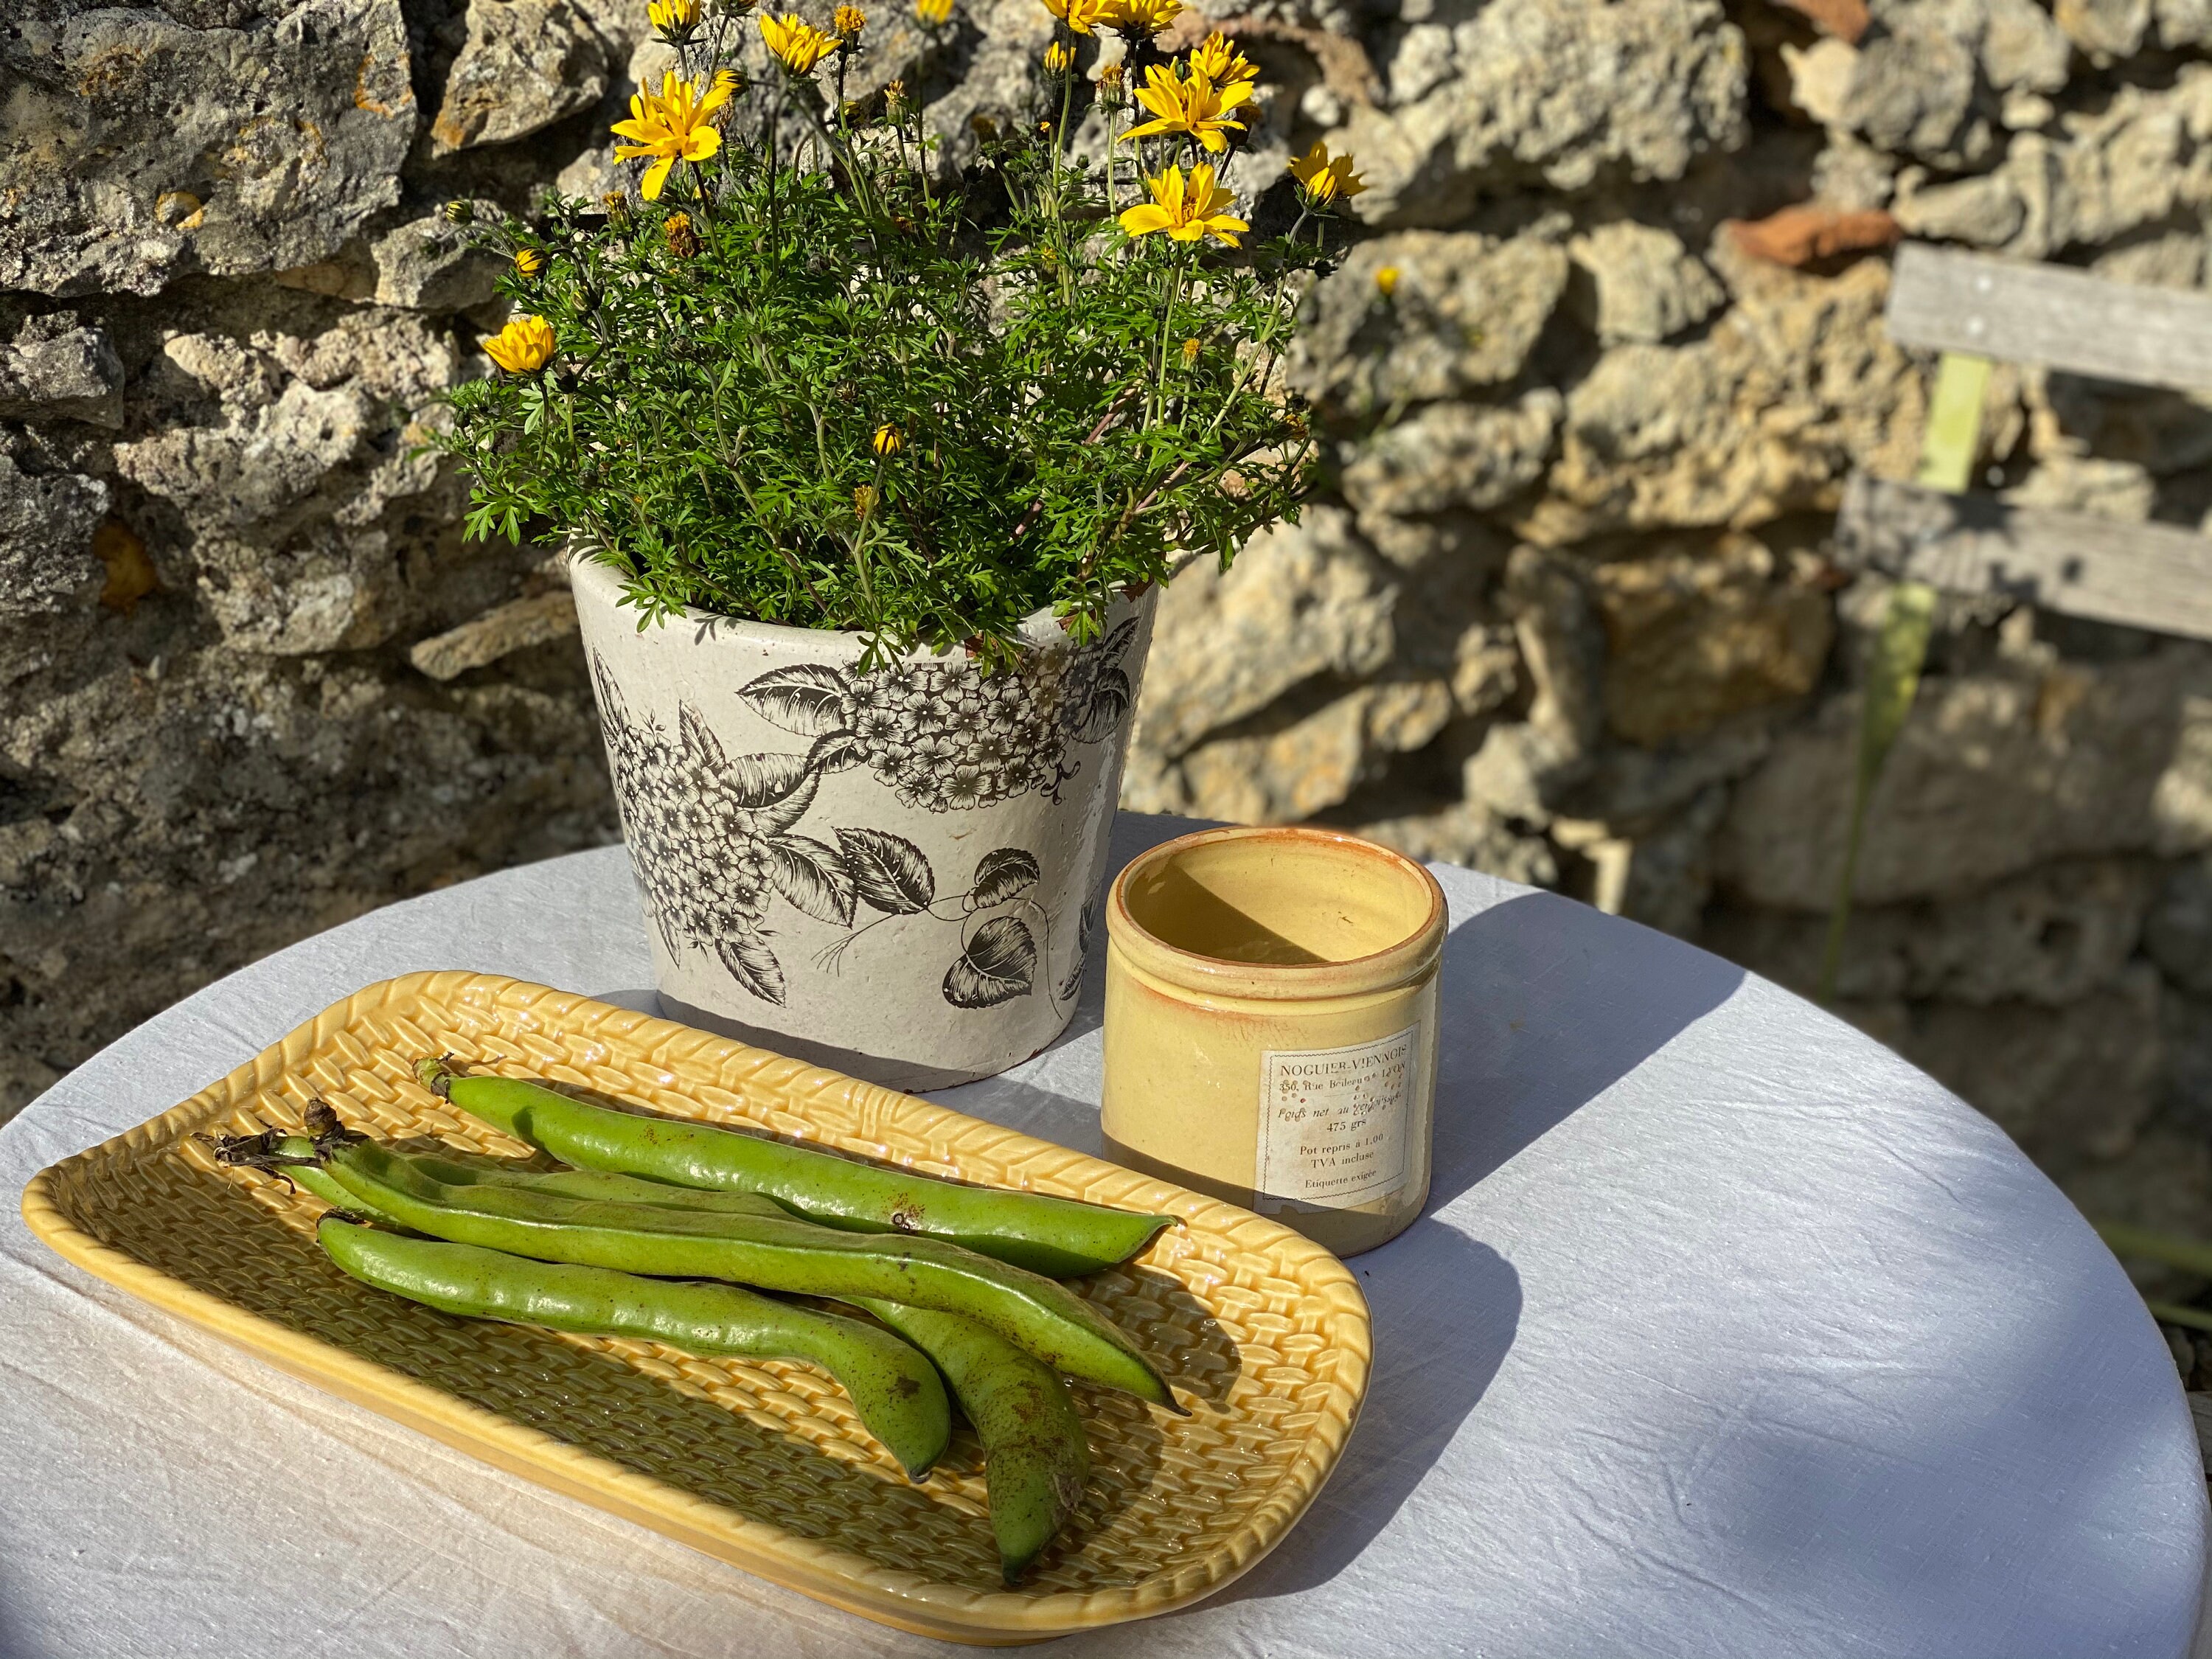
1974	309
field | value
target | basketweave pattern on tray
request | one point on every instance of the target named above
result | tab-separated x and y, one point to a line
762	1461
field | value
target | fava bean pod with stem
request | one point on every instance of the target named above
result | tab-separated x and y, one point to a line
1058	1236
893	1387
1035	1314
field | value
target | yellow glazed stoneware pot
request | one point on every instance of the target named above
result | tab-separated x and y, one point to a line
1270	1026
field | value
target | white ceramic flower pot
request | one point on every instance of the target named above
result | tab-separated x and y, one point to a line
895	873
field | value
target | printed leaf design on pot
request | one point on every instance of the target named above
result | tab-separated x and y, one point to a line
753	965
814	878
778	788
998	965
1105	707
807	698
1002	875
834	752
1086	927
890	872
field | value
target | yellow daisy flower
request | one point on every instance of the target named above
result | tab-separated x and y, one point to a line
674	125
1143	18
524	345
797	45
674	19
933	14
1217	59
1188	212
1189	105
1081	16
1325	179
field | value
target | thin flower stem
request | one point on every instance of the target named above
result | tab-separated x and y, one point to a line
1167	328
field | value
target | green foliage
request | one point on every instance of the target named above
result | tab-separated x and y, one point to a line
1072	408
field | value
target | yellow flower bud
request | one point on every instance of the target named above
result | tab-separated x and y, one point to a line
864	500
847	22
1057	59
888	440
528	262
933	14
683	239
1190	351
1386	281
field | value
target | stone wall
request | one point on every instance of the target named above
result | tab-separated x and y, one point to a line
1565	612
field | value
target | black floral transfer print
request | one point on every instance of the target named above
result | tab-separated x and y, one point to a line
717	837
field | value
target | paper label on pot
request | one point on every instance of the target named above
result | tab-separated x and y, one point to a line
1333	1121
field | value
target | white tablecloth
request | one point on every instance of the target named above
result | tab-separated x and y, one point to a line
1726	1332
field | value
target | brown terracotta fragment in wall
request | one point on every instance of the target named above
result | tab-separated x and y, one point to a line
1807	233
1846	20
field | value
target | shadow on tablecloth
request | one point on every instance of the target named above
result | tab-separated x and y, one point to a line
1548	1003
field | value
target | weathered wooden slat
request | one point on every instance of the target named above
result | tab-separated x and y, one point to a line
1946	301
2156	576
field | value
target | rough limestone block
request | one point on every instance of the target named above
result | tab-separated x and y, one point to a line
1296	759
2105	29
1455	455
1993	773
46	524
525	65
1912	91
1642	283
2050	936
1463	315
1302	600
139	147
61	374
500	632
2178	932
1695	634
1558	93
1790	390
425	266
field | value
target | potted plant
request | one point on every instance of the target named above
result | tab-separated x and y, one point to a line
870	467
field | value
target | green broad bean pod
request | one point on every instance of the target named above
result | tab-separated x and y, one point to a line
1036	1313
1061	1237
1036	1457
295	1157
600	1185
893	1387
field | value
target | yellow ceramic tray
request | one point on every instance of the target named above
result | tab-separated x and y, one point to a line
1264	1334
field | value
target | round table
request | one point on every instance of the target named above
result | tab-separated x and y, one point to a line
1725	1332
